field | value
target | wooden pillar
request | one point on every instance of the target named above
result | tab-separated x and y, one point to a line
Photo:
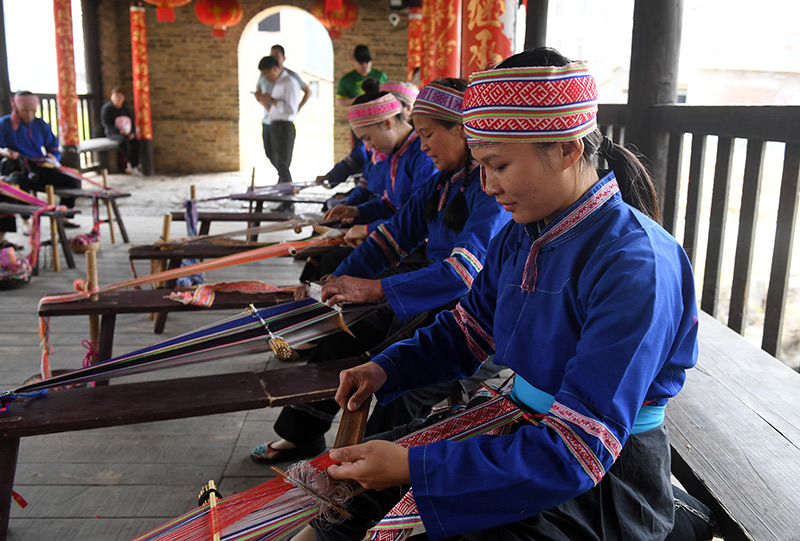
91	43
655	49
536	24
5	84
67	95
141	88
487	34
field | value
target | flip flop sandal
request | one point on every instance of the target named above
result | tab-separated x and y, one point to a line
266	454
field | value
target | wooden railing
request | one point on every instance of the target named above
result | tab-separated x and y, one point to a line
739	133
88	125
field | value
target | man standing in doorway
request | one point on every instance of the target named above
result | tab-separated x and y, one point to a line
349	87
282	103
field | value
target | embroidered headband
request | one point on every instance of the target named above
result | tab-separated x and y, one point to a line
440	102
26	99
405	92
530	105
373	111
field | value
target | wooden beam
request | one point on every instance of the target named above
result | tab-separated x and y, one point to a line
536	24
655	48
5	84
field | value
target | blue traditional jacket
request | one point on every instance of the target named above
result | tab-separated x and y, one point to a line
32	140
596	313
405	172
456	256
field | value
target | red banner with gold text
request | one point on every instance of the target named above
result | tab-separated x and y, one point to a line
141	73
414	41
488	34
446	38
65	62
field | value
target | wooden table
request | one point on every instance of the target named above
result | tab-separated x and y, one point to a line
103	195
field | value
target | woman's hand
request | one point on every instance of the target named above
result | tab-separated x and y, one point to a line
355	235
351	289
342	213
375	465
358	383
301	292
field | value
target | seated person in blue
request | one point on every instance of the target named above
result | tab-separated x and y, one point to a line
585	296
30	150
376	118
458	220
118	123
395	168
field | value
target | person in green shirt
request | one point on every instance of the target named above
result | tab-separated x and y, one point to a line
350	85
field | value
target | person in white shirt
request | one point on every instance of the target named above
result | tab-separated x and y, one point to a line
282	104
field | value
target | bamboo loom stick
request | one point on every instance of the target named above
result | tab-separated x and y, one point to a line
51	200
252	187
108	209
94	320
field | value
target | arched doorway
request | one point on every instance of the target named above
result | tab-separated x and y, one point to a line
309	52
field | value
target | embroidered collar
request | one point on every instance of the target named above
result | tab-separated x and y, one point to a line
603	190
457	176
400	151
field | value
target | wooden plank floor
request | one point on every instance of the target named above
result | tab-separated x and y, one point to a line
116	483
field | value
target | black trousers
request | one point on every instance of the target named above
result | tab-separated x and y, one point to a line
130	147
278	138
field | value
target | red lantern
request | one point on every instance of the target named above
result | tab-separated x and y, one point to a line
335	20
165	12
219	13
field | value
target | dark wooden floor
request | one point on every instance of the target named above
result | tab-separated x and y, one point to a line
116	483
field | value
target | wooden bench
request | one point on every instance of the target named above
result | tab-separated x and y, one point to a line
108	196
98	146
58	215
129	403
146	301
253	219
735	434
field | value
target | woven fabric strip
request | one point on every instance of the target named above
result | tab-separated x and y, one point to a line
405	92
440	102
530	105
372	112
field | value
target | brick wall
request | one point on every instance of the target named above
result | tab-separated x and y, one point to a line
194	77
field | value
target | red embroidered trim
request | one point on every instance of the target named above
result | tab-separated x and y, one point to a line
589	425
590	464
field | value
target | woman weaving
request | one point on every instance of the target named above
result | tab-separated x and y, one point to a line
376	118
456	220
584	296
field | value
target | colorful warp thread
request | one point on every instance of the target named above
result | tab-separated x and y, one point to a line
82	292
405	92
372	112
439	101
276	508
530	105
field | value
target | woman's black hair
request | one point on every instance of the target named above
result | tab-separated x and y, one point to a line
456	213
635	181
372	91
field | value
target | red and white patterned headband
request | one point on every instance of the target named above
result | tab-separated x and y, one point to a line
26	99
530	105
405	92
372	112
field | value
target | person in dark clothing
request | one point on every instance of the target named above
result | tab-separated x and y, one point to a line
119	125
